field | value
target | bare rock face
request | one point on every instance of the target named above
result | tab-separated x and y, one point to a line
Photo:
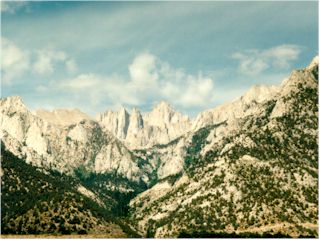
297	79
163	122
14	123
116	122
164	119
62	117
314	64
136	122
160	126
250	167
63	148
245	105
68	139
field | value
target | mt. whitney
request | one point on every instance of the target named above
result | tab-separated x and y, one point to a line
245	167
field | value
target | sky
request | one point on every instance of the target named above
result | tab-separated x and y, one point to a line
97	56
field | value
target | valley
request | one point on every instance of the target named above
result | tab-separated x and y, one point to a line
244	168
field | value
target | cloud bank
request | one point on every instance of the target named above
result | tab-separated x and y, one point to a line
254	61
16	62
149	79
101	42
48	58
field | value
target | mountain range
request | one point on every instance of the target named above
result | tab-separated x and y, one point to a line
244	168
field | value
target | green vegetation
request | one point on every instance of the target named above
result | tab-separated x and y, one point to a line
34	202
264	172
235	235
193	159
104	185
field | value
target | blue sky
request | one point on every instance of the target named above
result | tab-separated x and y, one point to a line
195	55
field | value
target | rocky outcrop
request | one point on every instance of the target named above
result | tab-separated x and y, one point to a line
63	148
62	117
297	80
116	122
244	106
258	176
249	166
160	126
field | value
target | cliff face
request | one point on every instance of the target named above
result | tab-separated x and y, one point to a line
159	126
245	105
63	148
62	117
249	166
251	174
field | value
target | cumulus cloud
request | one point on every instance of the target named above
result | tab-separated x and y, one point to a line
255	61
96	88
185	90
143	70
14	61
48	58
150	79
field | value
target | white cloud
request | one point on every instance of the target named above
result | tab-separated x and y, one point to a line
48	58
12	6
82	82
143	71
14	61
282	55
254	61
96	88
185	90
150	79
198	92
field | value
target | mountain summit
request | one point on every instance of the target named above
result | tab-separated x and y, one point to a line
63	117
248	168
137	130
